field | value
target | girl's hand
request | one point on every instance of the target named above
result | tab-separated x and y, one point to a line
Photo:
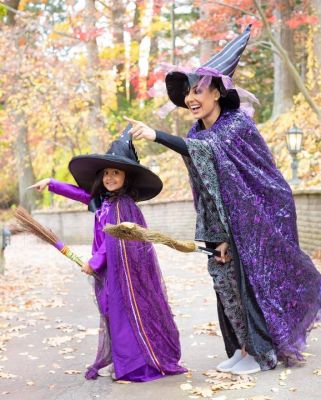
86	268
41	185
223	247
141	130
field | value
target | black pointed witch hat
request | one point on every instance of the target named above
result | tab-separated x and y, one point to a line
225	62
121	155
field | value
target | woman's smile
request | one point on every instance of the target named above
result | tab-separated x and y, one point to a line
194	108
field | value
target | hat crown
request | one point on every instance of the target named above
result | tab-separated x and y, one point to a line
227	59
123	146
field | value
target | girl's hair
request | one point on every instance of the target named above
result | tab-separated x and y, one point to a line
99	190
229	99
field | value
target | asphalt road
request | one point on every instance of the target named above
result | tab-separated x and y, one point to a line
49	333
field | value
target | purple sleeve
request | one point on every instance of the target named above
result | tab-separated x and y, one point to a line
99	259
70	191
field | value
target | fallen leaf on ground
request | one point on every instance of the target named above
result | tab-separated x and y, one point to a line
56	340
186	386
227	381
210	328
4	375
308	354
66	350
72	372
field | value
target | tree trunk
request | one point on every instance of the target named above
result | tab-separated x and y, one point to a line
24	168
23	164
95	119
284	85
118	21
135	38
316	10
14	4
144	48
206	45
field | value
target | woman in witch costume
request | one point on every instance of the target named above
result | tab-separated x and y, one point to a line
138	337
268	290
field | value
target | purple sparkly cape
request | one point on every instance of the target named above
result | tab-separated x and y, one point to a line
262	219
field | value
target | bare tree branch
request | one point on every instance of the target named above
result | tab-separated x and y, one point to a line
66	35
103	4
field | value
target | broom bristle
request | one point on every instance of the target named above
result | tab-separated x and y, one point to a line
29	225
131	231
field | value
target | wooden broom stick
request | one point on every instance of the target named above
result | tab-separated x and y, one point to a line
132	231
28	224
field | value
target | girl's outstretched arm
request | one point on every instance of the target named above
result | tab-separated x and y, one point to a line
64	189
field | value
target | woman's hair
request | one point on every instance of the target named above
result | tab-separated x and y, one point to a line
229	99
98	188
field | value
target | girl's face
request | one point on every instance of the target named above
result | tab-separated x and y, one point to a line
203	103
113	179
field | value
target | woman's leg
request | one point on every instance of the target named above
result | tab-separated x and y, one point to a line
225	285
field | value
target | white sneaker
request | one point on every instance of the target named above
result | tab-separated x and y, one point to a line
227	365
113	376
247	365
110	368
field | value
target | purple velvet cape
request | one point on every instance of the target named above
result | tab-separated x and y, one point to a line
136	320
261	216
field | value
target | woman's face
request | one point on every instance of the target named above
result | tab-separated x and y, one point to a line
113	179
203	103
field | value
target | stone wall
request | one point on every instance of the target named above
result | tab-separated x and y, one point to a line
308	206
177	218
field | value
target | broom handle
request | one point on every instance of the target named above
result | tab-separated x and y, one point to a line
208	251
73	257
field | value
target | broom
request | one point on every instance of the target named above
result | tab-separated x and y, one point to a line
132	231
28	224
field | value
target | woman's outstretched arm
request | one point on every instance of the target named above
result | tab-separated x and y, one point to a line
175	143
142	131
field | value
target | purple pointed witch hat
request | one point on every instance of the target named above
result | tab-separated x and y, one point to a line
222	65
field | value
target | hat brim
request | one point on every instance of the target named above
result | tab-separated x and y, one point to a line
176	83
85	168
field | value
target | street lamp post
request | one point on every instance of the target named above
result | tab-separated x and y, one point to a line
294	141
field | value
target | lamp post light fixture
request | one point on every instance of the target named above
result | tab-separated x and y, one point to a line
294	141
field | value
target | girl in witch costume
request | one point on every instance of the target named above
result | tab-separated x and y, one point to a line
138	337
268	290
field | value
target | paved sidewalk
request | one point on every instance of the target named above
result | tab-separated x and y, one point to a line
49	332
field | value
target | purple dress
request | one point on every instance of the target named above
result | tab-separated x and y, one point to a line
137	330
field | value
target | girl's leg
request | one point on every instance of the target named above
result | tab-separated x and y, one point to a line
103	357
